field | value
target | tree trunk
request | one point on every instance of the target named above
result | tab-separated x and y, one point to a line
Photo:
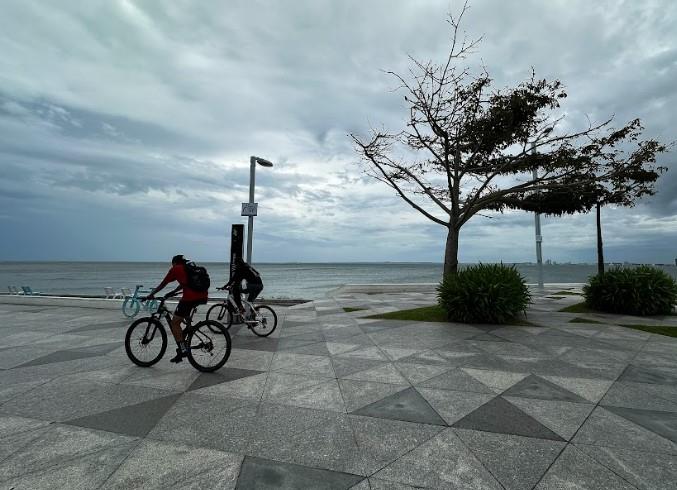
451	252
600	250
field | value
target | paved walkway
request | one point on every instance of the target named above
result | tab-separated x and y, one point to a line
337	401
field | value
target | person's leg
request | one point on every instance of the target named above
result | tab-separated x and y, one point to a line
237	296
175	326
182	311
254	290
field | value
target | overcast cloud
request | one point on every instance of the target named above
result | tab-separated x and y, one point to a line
126	126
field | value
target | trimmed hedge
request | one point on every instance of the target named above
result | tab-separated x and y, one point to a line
642	291
484	293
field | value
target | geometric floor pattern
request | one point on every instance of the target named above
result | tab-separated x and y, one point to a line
336	400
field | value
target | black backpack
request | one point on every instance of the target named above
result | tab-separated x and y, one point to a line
198	278
251	274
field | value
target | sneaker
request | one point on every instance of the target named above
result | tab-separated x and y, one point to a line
178	357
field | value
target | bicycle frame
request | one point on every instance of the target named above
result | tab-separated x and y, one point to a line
160	313
245	303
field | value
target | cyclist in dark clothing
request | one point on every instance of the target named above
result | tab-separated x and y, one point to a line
244	271
189	300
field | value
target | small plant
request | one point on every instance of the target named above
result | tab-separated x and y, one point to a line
642	291
484	293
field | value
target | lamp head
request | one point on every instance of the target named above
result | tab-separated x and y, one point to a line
263	162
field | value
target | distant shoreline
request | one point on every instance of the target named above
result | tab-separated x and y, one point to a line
545	264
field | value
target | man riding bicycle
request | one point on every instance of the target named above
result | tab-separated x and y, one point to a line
244	271
189	300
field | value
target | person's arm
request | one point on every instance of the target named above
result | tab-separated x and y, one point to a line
174	291
170	277
237	277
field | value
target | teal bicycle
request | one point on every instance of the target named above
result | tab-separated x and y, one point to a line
132	304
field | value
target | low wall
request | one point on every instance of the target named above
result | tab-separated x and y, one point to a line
105	304
386	288
68	301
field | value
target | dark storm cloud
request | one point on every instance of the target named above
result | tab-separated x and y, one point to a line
125	123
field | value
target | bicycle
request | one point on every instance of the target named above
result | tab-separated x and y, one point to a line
209	341
261	319
132	304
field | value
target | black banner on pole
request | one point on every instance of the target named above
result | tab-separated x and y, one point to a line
236	246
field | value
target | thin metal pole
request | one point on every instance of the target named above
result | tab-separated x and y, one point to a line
250	226
539	237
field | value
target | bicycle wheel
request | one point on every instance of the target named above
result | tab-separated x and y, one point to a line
209	343
152	305
220	313
131	307
266	321
146	341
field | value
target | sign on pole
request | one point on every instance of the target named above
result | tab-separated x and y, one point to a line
236	246
249	208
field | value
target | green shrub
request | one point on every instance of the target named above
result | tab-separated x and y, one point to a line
643	290
484	293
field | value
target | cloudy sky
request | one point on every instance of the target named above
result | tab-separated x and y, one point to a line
126	126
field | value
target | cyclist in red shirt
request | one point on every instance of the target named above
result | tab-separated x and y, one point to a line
189	300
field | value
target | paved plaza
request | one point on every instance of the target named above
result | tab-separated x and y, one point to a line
336	401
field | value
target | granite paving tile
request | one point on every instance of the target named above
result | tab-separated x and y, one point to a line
14	424
84	472
56	445
395	354
271	426
500	416
453	405
132	420
575	469
498	381
302	364
563	418
376	484
64	400
357	394
638	374
336	348
456	379
661	423
223	375
536	387
417	373
11	443
249	388
261	474
373	353
386	440
643	470
322	396
605	428
442	462
279	383
636	395
148	466
203	421
407	405
386	373
516	462
590	389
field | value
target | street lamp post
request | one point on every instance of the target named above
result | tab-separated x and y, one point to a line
250	208
539	237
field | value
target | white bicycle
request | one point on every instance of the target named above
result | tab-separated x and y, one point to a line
260	319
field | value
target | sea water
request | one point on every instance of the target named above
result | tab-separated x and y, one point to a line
291	280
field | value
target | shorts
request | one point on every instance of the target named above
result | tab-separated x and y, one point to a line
185	307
